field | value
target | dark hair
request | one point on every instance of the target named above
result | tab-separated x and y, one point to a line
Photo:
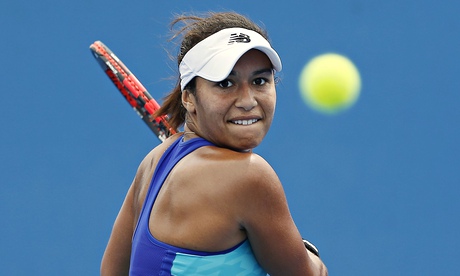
195	29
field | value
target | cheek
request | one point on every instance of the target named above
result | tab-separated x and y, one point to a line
211	111
270	105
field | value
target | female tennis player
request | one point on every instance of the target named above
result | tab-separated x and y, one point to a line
202	203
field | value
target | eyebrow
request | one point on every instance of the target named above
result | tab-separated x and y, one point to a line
257	72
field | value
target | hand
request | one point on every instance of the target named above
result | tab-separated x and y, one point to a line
314	256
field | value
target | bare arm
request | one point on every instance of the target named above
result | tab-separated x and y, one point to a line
117	253
276	242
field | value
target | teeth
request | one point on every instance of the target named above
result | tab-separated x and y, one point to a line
245	122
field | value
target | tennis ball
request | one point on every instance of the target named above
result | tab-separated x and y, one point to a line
330	83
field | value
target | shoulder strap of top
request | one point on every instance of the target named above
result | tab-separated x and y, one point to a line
168	160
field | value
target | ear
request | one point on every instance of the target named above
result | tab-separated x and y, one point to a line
188	101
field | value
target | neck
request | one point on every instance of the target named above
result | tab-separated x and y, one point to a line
188	134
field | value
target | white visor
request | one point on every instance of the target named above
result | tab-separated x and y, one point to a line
214	57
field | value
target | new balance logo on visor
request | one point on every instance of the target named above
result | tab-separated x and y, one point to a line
239	38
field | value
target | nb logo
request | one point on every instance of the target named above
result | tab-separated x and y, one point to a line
239	38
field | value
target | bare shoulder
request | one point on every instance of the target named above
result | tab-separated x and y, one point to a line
151	159
258	202
117	254
234	175
252	171
246	167
244	161
145	172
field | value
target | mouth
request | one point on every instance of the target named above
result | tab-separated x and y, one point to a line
244	122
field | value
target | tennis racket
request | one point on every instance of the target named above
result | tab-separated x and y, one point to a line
132	89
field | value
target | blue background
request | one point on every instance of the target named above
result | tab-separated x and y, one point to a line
376	188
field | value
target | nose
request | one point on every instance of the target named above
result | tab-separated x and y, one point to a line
246	99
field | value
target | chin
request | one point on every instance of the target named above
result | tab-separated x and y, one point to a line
247	144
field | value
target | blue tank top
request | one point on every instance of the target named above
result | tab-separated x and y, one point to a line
150	256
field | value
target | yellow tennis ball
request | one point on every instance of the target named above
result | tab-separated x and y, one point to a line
330	83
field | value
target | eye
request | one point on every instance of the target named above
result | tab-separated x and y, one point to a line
225	83
259	81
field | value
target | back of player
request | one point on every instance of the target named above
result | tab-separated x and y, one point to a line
150	256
